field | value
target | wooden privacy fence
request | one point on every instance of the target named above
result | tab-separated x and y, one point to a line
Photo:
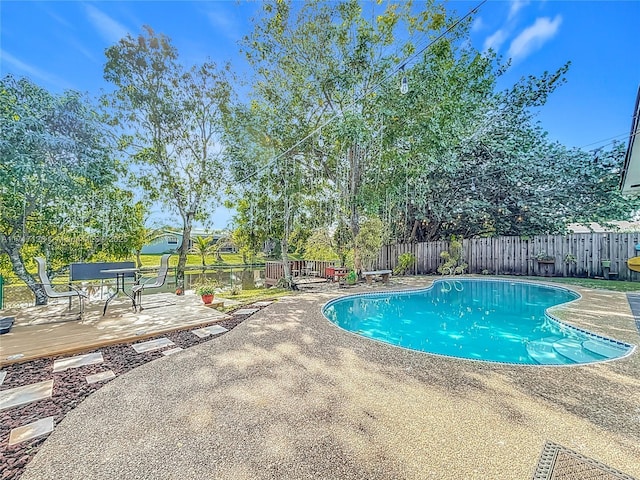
274	270
575	255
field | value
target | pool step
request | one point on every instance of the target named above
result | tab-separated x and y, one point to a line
542	351
607	350
572	349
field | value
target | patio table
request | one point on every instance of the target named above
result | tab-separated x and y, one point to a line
336	273
120	274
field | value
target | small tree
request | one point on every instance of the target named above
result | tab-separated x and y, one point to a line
217	246
319	246
340	242
369	241
202	246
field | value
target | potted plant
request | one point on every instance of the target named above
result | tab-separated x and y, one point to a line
351	278
207	291
606	263
542	257
569	258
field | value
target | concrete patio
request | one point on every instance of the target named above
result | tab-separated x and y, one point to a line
287	394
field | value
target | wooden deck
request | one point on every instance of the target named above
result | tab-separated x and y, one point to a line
299	268
52	330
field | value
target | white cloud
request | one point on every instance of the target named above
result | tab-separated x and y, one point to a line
111	30
495	41
82	49
516	6
477	25
224	22
31	71
62	21
532	38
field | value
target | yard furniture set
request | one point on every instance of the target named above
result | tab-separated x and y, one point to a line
102	271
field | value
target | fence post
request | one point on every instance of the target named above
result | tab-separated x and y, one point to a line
1	292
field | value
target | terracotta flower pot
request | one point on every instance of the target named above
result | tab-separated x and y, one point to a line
207	299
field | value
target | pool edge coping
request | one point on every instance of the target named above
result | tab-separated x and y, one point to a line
632	347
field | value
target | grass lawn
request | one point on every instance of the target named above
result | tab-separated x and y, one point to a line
615	285
196	260
250	296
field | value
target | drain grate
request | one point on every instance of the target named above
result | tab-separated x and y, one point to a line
560	463
634	303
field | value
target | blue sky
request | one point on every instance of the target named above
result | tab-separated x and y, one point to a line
60	45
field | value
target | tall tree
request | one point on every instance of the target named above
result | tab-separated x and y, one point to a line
320	63
57	180
474	162
170	118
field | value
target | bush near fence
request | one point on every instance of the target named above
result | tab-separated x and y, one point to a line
575	255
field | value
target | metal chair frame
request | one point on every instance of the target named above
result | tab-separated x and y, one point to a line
51	293
151	282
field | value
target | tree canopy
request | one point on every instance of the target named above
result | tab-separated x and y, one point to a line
57	181
366	122
170	119
330	139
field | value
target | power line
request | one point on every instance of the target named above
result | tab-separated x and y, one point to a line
400	66
610	138
460	20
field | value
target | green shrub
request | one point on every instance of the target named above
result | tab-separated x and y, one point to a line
369	241
405	261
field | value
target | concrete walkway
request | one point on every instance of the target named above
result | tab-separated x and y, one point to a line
287	394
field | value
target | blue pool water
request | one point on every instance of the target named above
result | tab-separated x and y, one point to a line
491	320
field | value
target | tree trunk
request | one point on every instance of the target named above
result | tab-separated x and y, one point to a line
414	231
284	241
138	259
354	220
183	250
12	249
288	280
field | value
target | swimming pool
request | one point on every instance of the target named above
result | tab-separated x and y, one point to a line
477	319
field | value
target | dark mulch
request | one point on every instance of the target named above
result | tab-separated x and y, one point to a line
70	388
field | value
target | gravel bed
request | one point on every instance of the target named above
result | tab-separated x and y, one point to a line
70	388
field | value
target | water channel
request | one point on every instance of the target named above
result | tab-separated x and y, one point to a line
247	278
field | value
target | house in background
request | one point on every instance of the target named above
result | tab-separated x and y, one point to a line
611	227
630	183
170	240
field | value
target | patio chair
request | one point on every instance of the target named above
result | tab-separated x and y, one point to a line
152	282
310	269
51	293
